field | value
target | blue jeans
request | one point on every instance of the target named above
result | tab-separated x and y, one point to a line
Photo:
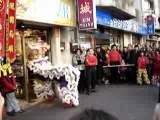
12	103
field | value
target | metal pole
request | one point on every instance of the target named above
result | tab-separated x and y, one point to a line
25	68
76	29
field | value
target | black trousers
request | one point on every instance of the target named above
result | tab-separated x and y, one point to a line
132	75
100	73
82	81
150	71
91	78
114	72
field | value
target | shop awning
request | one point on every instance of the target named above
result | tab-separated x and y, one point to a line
107	20
116	12
102	36
97	35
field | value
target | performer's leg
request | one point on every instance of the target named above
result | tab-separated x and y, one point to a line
139	77
145	76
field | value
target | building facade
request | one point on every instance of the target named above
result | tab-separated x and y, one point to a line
122	21
42	33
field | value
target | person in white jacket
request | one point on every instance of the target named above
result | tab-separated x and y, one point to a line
1	105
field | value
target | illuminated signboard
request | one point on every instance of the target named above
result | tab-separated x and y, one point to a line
59	12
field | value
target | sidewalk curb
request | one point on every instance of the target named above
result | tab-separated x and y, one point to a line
28	105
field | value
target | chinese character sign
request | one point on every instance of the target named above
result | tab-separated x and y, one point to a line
11	30
87	14
3	7
150	25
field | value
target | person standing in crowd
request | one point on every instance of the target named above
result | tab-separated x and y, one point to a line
91	63
154	47
1	106
125	55
129	50
8	90
107	71
78	62
123	71
142	72
133	60
150	55
100	73
103	53
104	63
156	69
114	58
139	46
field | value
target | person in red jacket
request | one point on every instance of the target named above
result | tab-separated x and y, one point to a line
156	68
91	63
142	72
114	58
8	90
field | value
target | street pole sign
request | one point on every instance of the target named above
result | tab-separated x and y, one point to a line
150	25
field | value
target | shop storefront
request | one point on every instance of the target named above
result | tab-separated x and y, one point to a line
42	35
136	39
111	30
124	31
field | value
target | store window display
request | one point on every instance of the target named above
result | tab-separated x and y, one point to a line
41	74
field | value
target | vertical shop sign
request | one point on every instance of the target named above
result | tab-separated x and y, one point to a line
150	25
3	7
87	14
11	26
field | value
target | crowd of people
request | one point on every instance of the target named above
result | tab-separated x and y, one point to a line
136	64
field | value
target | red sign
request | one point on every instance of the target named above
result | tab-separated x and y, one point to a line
3	7
11	31
87	14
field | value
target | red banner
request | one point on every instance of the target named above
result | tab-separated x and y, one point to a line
87	14
3	7
11	31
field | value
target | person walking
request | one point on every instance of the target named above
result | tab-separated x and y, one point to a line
8	90
78	62
114	58
91	63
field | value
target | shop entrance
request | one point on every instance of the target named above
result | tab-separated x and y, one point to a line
32	43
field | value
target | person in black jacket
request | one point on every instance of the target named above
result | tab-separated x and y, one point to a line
125	55
134	54
100	73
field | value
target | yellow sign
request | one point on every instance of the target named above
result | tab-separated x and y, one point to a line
5	68
58	12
